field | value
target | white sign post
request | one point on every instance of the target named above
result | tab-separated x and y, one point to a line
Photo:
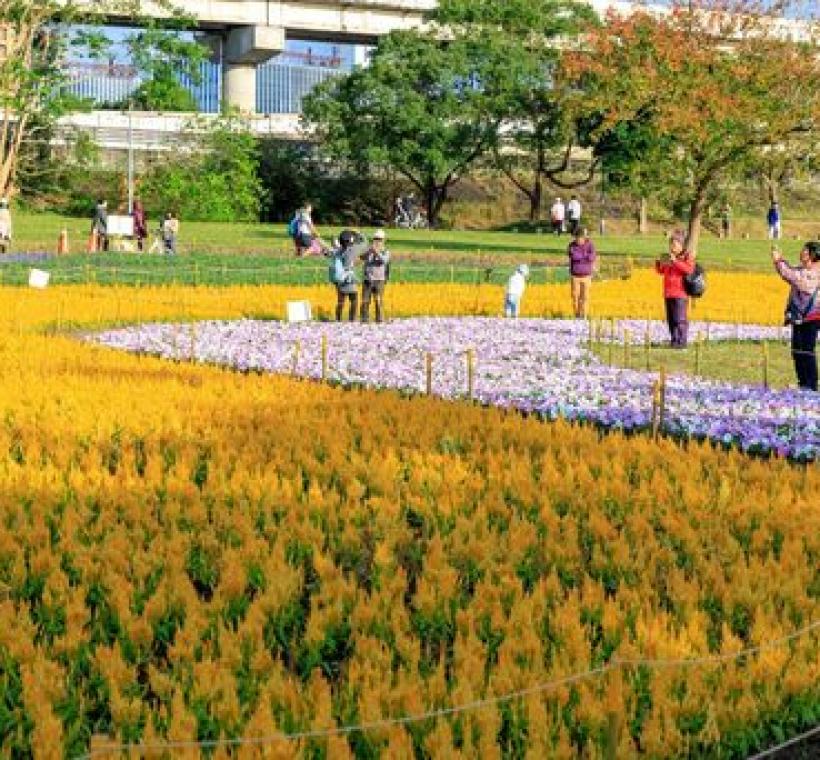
299	311
120	226
37	278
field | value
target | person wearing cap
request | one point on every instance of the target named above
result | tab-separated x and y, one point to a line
582	262
351	247
516	286
679	264
5	225
305	233
803	310
376	263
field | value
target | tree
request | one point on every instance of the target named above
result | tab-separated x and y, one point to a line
714	84
419	108
540	130
162	93
213	176
37	36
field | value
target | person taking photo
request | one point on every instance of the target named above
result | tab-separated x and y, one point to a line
803	310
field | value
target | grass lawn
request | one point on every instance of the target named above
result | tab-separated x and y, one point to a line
461	256
737	362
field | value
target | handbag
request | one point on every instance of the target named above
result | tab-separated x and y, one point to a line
795	315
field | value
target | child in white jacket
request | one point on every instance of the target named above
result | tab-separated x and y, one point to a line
515	290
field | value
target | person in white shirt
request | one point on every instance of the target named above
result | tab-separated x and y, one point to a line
516	286
558	213
574	215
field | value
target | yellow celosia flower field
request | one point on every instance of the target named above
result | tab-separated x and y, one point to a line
187	553
754	298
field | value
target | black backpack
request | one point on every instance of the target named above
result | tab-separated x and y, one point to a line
695	283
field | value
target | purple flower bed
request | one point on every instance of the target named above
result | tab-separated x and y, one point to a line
537	366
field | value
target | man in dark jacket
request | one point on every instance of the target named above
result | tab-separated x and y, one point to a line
582	264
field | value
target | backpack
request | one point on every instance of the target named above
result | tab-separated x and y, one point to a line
293	227
337	272
695	283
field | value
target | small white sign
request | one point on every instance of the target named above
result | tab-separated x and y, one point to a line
299	311
119	225
37	278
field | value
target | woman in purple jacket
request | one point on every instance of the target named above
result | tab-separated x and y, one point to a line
582	264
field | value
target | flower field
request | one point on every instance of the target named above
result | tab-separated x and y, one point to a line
192	554
537	366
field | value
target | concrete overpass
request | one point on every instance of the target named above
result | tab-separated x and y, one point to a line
244	33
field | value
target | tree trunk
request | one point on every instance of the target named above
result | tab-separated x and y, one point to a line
642	225
434	198
536	197
695	217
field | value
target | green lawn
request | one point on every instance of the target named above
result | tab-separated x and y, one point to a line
464	256
737	362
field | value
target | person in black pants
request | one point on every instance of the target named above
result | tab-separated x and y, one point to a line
803	310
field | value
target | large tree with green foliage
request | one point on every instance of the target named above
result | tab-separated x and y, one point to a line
540	129
39	35
708	89
422	107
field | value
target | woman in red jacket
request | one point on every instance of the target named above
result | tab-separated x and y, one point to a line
679	264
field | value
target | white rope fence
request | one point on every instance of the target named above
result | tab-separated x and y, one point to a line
478	704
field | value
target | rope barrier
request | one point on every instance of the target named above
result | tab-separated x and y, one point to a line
785	745
478	704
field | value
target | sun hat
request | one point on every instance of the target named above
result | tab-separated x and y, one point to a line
379	235
524	270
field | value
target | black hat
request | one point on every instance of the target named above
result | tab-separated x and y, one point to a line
347	238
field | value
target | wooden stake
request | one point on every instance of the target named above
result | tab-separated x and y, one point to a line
647	345
765	349
428	371
662	398
470	373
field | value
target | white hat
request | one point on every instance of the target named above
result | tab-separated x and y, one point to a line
524	269
379	235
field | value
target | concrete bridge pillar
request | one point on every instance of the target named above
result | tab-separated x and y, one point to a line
245	48
239	86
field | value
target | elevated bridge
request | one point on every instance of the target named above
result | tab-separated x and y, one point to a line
244	33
